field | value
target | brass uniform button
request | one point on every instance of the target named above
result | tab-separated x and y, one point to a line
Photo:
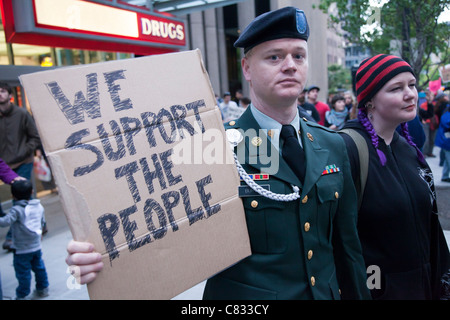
307	226
254	204
310	254
257	141
232	123
305	200
336	195
313	281
310	137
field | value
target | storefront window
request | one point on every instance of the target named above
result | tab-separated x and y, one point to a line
69	57
29	55
24	55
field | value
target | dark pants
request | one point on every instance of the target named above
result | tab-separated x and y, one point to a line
23	265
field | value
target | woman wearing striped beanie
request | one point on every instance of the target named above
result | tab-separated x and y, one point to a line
372	75
398	226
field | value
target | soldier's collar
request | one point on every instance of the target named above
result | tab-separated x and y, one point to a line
273	126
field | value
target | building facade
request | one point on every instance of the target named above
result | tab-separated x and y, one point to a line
212	30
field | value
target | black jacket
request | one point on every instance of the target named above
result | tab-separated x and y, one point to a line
398	223
19	136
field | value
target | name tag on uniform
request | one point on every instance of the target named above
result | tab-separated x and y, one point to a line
246	191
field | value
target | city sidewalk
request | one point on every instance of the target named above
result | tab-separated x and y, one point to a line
64	287
437	170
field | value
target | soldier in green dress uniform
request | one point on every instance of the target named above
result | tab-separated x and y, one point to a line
301	214
302	227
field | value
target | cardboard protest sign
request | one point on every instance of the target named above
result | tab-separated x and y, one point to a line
139	154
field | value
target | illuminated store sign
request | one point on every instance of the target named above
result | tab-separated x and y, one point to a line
102	24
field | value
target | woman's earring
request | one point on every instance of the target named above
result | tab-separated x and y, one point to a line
369	105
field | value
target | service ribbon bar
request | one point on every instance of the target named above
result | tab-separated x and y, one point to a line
258	176
330	169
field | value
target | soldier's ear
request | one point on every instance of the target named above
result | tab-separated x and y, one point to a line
245	63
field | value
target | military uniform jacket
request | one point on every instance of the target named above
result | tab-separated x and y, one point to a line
299	248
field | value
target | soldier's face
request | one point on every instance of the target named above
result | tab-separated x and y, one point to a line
277	70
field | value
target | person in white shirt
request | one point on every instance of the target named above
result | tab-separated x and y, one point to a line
229	109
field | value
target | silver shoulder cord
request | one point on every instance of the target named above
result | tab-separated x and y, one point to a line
257	188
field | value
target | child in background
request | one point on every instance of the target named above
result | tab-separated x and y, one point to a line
26	218
8	176
336	118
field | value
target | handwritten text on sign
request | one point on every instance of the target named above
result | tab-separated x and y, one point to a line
157	166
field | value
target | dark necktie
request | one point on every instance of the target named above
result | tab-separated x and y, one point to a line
292	152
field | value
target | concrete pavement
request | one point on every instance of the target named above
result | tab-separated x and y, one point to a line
64	287
442	190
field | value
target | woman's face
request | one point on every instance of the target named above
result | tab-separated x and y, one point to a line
396	102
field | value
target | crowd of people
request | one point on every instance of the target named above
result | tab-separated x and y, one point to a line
332	114
364	197
232	109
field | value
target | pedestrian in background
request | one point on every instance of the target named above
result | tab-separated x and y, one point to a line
238	97
335	118
308	107
351	106
27	219
430	123
443	141
321	107
398	223
8	176
245	102
441	106
19	139
229	109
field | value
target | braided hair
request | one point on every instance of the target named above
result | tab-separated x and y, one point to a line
364	120
407	136
362	117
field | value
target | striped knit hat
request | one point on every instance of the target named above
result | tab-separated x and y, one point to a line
373	73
